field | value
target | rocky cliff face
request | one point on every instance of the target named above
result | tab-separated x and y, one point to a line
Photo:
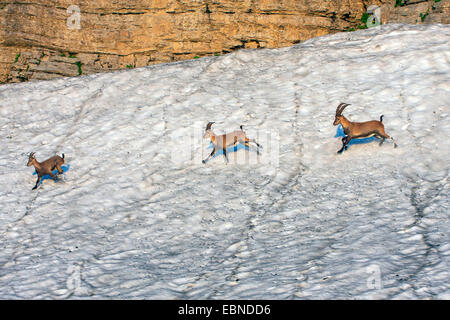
54	38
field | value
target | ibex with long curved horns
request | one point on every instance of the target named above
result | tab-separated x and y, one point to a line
224	141
355	130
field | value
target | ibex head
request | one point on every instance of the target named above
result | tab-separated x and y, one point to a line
31	158
208	132
338	117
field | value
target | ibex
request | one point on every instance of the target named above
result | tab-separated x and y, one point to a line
224	141
355	130
45	167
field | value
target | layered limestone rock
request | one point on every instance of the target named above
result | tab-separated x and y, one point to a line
417	11
54	38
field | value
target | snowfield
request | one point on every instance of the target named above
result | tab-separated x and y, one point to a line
138	216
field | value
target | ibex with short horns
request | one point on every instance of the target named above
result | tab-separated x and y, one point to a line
46	167
224	141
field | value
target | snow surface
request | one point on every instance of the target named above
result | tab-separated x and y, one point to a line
138	215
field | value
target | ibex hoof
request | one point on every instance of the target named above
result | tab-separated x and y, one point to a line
203	161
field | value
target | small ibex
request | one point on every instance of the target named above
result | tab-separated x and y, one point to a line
46	167
224	141
355	130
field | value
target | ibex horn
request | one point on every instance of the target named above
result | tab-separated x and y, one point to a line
208	126
341	108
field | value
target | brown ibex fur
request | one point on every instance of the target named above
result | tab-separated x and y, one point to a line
355	130
226	140
46	167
